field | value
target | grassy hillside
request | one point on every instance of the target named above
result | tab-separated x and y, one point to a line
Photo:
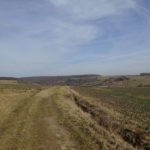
15	84
8	82
39	117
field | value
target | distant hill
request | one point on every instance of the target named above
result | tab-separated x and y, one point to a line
87	80
73	80
145	74
8	78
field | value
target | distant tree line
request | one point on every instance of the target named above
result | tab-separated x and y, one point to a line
145	74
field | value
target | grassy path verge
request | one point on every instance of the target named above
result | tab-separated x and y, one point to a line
85	130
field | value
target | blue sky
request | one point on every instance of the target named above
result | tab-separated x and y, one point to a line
63	37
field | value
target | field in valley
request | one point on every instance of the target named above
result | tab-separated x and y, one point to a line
42	117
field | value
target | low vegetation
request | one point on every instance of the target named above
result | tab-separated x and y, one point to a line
87	131
133	104
28	121
100	117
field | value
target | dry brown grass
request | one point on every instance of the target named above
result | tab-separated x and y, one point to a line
86	130
114	122
28	121
59	118
8	82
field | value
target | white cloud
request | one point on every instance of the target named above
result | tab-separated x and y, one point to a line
59	2
50	37
73	34
75	28
94	9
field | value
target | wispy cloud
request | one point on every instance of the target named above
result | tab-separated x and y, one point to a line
95	9
65	36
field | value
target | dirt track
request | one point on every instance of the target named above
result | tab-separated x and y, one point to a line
31	123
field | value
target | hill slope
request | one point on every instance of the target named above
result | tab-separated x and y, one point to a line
74	80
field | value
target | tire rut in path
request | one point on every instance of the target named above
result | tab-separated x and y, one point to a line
57	137
34	126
